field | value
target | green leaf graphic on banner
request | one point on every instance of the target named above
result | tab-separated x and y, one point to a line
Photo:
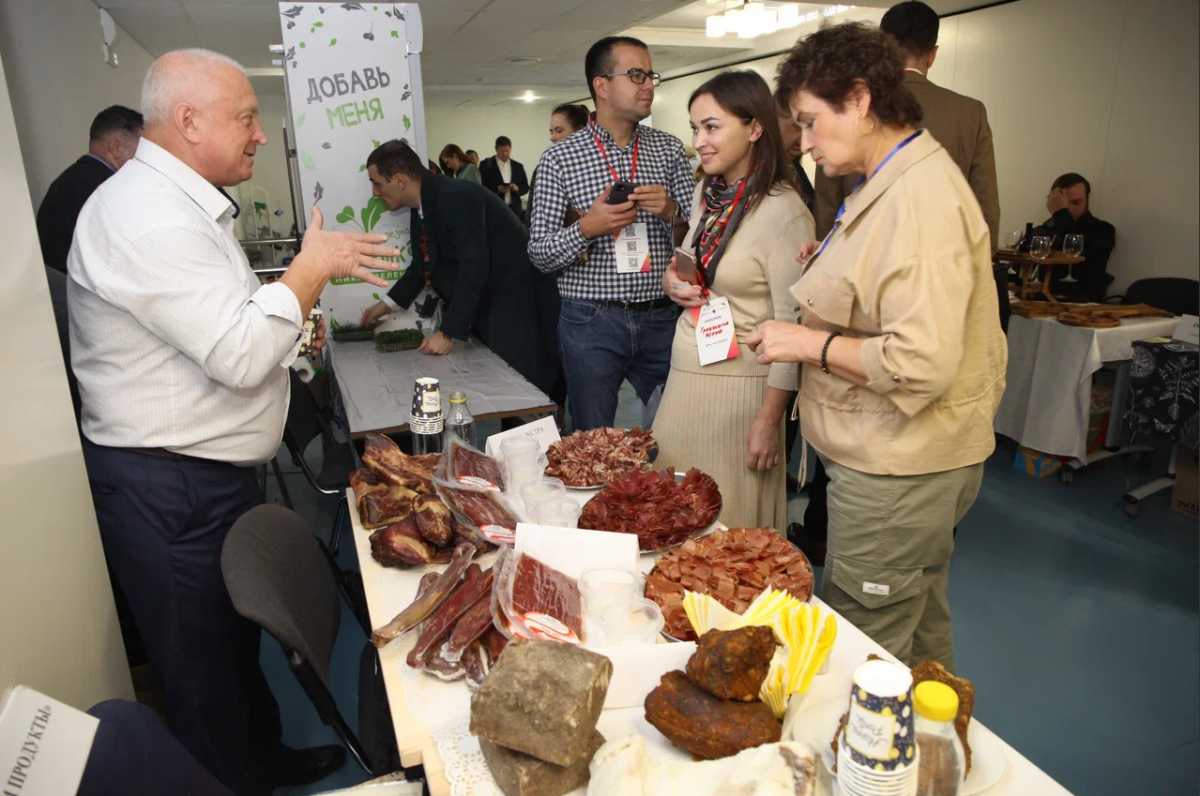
375	143
375	209
332	42
316	25
362	168
376	297
302	45
347	214
307	161
395	34
407	123
300	120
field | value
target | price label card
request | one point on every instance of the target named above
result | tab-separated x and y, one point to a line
715	336
633	248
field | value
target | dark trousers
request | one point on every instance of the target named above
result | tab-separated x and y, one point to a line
163	522
603	345
133	754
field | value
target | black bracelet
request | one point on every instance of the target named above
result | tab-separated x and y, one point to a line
825	351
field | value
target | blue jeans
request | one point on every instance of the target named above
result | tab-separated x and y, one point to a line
603	345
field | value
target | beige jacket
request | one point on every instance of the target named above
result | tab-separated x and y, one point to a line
961	125
756	274
909	269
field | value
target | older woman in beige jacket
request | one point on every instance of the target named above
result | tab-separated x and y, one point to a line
903	360
725	417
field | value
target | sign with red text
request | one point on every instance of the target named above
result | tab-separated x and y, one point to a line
716	339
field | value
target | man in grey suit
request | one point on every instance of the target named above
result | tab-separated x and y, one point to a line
959	123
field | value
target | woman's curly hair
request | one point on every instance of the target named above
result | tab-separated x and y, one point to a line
836	60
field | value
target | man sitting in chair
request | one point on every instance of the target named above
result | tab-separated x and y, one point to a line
1069	205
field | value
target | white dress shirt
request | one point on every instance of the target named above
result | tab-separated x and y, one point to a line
174	341
505	170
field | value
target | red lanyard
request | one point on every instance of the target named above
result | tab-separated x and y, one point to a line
633	166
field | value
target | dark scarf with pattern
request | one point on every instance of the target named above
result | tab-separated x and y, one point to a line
723	210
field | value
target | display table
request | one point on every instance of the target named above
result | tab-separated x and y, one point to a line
1048	394
431	718
376	388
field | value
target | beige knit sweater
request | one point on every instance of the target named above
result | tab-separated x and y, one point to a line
756	274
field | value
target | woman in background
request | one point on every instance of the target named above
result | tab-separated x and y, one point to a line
726	418
455	162
903	357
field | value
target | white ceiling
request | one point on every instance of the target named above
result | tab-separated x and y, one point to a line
469	44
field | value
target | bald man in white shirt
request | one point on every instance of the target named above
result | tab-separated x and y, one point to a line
182	358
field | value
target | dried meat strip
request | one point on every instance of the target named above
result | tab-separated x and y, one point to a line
475	584
473	624
424	605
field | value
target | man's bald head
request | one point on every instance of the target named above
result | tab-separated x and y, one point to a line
199	105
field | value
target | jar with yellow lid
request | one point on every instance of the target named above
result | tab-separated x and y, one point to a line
942	764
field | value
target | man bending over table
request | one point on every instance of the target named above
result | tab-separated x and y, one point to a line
182	359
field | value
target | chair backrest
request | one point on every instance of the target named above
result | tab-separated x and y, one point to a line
279	579
1171	293
303	423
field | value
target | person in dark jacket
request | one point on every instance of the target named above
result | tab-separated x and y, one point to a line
473	250
1069	205
114	139
504	176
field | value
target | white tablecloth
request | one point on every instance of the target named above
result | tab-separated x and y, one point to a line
377	388
432	718
1048	396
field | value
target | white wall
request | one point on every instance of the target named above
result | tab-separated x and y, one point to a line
56	605
58	80
270	170
475	127
1107	88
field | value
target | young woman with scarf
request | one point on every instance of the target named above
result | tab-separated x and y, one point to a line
721	411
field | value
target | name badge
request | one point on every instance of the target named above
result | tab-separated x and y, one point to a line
633	248
715	336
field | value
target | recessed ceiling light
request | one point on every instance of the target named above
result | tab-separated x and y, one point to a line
525	60
528	96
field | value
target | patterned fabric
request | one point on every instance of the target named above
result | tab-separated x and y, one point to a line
722	210
572	173
1164	379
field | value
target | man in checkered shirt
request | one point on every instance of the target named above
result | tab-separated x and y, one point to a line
614	326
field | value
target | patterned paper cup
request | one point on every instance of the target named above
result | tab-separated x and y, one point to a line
426	415
877	753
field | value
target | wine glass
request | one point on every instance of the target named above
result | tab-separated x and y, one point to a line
1012	240
1039	249
1072	247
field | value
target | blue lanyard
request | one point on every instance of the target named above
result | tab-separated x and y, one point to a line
857	185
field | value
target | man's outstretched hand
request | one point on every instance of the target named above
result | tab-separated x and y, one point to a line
347	254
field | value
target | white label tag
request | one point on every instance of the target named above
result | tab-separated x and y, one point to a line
1188	330
879	589
545	431
715	337
44	744
633	248
870	734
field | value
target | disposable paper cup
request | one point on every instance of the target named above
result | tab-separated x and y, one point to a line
540	490
558	512
525	470
602	587
516	445
877	753
638	623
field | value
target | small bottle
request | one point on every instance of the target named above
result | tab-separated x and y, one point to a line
1026	241
460	422
942	765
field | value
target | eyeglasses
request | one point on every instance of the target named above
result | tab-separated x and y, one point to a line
638	77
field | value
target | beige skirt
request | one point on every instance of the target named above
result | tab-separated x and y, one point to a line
704	422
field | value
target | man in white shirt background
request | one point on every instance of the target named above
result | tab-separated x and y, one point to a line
182	358
505	176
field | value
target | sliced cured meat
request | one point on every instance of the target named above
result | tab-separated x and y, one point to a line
733	566
653	506
547	601
473	468
434	520
480	509
593	458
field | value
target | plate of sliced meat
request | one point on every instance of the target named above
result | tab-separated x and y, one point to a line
663	508
734	566
591	459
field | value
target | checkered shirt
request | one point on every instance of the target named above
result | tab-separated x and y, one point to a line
573	173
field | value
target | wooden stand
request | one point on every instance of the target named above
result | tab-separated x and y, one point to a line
1033	281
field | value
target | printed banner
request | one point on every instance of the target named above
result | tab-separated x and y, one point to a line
350	89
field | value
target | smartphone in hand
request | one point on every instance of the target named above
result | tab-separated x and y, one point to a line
685	265
622	192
